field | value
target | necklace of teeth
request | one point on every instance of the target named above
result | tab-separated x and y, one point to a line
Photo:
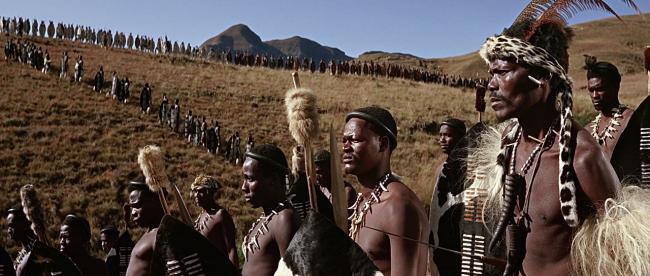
358	217
201	223
251	241
611	127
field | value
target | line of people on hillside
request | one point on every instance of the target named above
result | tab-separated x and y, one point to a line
200	132
192	128
162	45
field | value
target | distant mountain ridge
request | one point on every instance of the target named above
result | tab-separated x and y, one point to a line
608	39
241	38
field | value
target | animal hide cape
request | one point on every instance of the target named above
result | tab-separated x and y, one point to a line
321	248
180	250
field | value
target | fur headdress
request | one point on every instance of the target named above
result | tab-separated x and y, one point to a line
33	209
539	38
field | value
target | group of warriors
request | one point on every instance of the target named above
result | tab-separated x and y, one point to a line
344	67
162	45
104	38
537	194
197	130
28	53
194	129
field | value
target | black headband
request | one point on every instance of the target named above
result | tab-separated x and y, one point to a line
375	121
266	160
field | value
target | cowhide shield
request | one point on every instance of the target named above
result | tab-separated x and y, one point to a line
180	250
631	157
123	253
474	235
6	265
321	248
52	260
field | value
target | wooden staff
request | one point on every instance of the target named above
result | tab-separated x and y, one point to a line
339	197
646	60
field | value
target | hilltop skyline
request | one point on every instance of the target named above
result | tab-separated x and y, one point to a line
424	29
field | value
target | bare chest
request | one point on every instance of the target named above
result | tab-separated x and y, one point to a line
375	243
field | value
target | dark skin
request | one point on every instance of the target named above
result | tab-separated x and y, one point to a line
549	240
367	156
324	181
72	244
147	213
19	231
604	97
219	228
107	241
266	191
448	139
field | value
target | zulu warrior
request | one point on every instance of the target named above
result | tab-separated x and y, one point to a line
552	180
603	83
214	222
369	138
324	177
446	205
145	98
74	238
147	212
265	172
18	228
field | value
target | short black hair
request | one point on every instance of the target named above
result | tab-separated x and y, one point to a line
110	231
140	185
605	71
456	124
380	119
79	223
271	159
18	213
322	156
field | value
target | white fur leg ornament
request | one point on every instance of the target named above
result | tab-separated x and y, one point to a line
615	242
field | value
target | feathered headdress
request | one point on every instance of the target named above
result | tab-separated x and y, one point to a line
539	37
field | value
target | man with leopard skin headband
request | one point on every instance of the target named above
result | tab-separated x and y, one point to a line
558	193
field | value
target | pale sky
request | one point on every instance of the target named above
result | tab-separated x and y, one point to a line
433	28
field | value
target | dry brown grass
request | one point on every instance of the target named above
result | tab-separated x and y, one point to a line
79	148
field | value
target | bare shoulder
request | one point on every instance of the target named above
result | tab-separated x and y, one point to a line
588	153
595	174
219	216
285	217
401	198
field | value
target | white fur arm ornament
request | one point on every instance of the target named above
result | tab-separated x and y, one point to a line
615	242
283	270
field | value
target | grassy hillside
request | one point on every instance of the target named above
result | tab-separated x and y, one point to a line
80	148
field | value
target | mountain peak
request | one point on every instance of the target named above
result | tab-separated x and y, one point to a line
241	38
